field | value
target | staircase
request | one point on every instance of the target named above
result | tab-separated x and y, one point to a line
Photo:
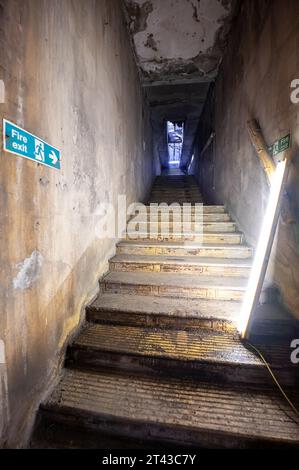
159	361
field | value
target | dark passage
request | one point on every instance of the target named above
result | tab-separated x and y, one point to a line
175	141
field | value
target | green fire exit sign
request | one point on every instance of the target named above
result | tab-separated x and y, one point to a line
280	146
24	144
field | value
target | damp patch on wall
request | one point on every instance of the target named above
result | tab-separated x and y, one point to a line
29	271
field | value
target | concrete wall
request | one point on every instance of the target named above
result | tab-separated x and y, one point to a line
261	61
69	78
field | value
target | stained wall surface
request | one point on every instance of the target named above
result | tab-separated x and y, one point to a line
261	61
70	78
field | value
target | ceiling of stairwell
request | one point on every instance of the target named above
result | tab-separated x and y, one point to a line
178	40
178	44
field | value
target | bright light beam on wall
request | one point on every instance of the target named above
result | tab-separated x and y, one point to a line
263	250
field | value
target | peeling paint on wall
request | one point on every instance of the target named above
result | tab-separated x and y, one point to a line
138	14
29	271
179	39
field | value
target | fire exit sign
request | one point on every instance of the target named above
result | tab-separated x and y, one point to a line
24	144
280	146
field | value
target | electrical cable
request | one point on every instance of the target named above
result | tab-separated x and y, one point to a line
291	404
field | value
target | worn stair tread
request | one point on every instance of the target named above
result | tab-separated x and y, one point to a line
227	238
180	248
180	192
181	234
198	347
182	260
176	193
206	209
178	244
201	345
206	218
180	307
179	200
178	404
218	224
176	280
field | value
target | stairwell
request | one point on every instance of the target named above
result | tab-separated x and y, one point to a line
159	360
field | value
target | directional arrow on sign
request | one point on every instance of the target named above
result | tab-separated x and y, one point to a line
53	157
18	141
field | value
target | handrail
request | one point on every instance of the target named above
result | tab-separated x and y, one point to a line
260	146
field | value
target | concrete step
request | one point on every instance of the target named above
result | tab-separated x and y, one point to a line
192	208
175	183
172	410
206	227
188	264
205	354
175	195
175	285
49	434
129	247
227	238
192	198
175	186
176	192
165	187
175	199
211	217
164	312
